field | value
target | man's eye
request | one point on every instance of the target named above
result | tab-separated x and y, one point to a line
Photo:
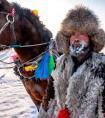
67	36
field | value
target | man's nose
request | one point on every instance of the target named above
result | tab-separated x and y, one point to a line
76	40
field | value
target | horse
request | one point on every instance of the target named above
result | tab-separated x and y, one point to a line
22	30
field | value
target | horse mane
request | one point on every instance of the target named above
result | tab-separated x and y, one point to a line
33	19
24	12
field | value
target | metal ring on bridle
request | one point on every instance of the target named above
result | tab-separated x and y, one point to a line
10	20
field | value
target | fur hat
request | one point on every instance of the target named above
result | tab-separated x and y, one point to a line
80	20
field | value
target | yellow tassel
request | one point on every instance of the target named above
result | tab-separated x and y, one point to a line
35	12
30	67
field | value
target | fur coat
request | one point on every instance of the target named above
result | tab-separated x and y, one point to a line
81	92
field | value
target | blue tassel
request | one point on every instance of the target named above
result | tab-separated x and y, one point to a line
42	72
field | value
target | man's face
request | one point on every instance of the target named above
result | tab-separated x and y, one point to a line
79	44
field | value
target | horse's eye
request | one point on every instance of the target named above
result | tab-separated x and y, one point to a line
1	7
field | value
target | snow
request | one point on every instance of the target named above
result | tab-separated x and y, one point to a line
14	100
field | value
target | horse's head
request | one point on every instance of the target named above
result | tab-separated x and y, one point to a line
19	26
9	24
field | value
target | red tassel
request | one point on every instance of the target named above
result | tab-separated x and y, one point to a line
63	113
12	13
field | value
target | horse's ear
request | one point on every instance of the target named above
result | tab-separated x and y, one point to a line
0	1
4	2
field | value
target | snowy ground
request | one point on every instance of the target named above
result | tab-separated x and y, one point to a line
14	100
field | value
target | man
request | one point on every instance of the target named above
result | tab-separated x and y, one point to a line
79	77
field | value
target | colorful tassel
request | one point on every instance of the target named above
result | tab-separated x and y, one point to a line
14	57
51	64
42	72
45	66
30	67
35	12
63	113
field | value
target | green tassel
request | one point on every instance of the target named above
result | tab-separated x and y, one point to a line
51	64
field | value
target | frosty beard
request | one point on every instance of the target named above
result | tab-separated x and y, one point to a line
81	49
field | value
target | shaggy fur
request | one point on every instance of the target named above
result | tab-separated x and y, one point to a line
85	21
81	92
62	43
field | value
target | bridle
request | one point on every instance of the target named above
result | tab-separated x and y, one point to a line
10	18
9	21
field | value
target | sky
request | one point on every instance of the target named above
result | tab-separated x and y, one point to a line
52	12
